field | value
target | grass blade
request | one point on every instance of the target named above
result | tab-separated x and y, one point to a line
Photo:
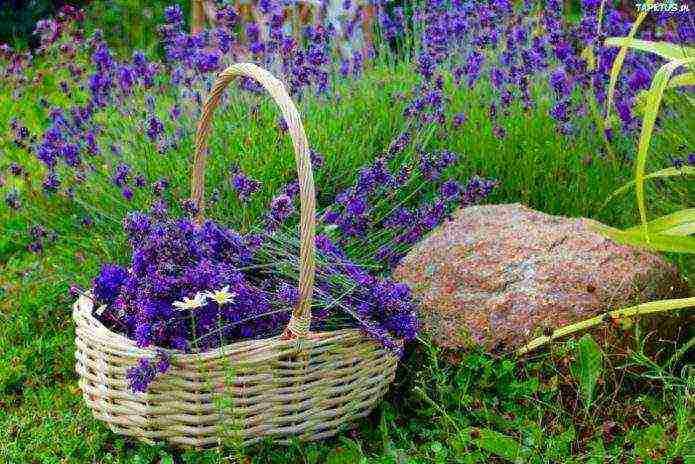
656	242
495	443
651	307
667	50
656	92
668	172
679	223
682	80
618	63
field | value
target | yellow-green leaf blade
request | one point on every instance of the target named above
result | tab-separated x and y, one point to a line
656	92
668	172
682	80
655	242
680	223
620	58
667	50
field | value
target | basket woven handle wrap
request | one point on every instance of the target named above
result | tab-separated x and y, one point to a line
298	325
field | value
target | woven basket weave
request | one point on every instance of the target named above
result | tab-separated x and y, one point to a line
300	384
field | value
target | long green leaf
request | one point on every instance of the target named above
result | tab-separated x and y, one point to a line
679	223
495	443
589	366
682	80
620	58
657	242
667	50
668	172
656	92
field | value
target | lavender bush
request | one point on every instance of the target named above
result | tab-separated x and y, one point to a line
514	50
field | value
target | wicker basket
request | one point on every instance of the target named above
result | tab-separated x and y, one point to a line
301	384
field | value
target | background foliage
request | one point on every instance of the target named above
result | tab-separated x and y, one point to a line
18	18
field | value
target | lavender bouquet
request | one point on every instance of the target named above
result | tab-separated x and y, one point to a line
195	287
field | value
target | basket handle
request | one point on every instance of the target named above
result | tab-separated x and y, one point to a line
300	320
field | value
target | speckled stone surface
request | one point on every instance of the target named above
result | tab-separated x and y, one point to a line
498	275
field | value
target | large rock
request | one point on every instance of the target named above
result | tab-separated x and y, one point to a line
499	275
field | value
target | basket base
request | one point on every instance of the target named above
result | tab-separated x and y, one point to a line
237	395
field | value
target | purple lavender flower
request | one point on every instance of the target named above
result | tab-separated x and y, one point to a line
245	186
51	183
498	131
399	144
206	62
291	189
141	376
458	120
35	246
399	218
640	79
154	128
12	199
474	63
37	231
140	180
173	15
102	58
432	165
325	245
227	16
281	207
160	186
16	169
356	206
288	295
477	189
450	190
497	78
317	159
120	177
560	111
190	207
591	5
127	193
108	283
126	79
560	82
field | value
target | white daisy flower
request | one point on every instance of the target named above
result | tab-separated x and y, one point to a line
222	296
191	303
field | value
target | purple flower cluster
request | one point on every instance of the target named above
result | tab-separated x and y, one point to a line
173	260
39	235
363	216
166	299
244	186
383	309
516	48
433	164
143	374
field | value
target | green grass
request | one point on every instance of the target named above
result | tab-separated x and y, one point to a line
486	409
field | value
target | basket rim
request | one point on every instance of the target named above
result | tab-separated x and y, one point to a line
83	317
